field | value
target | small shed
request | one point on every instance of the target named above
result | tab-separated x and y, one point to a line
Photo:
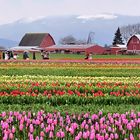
118	49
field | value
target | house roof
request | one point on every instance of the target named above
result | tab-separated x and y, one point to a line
32	39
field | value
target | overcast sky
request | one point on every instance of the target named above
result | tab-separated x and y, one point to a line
11	10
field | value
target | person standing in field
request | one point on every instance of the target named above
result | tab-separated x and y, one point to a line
26	55
15	56
87	56
90	56
6	55
45	55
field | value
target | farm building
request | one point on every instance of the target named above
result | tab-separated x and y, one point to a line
33	41
133	45
41	40
88	48
118	49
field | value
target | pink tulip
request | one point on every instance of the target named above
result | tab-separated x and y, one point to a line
47	130
112	136
139	136
86	126
11	136
106	136
58	135
129	127
92	136
62	134
51	134
37	138
85	135
31	137
31	128
75	125
3	114
77	138
41	138
13	129
42	134
5	137
71	130
131	136
116	136
80	134
37	122
42	125
21	127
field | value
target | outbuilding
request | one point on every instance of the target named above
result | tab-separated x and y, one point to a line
84	48
133	44
34	42
118	49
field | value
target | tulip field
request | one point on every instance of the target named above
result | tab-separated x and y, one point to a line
69	100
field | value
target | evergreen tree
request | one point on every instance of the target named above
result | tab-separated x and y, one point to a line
118	38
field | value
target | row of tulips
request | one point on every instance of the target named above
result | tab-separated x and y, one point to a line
76	64
60	85
94	61
43	125
69	79
86	93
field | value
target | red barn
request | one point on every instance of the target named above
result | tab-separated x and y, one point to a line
133	45
89	48
41	40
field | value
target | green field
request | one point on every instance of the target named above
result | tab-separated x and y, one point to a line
79	56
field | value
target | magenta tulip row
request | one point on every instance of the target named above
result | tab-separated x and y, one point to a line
42	125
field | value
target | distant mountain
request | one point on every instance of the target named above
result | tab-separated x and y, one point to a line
103	25
7	43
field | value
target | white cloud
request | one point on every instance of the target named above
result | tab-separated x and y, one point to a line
30	19
98	16
12	10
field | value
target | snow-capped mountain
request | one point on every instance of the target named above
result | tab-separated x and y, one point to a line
103	25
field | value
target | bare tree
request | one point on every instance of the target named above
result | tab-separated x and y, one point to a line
81	41
69	40
129	30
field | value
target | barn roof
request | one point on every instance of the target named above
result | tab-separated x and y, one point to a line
70	46
32	39
3	48
136	35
